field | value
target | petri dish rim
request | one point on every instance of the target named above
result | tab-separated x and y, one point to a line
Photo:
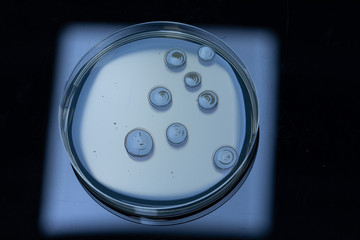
160	211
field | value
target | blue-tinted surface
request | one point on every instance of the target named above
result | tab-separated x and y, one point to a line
67	209
113	100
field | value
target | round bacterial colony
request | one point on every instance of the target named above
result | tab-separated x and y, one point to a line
157	123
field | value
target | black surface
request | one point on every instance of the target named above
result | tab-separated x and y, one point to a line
316	194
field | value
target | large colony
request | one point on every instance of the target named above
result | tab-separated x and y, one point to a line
139	143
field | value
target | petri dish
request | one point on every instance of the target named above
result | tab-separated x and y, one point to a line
117	116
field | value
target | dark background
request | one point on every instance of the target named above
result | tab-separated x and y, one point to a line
316	192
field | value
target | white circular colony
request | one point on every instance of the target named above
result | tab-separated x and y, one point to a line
225	157
160	97
176	134
192	79
175	58
207	100
206	53
138	143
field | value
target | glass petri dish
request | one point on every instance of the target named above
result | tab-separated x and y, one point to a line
118	142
